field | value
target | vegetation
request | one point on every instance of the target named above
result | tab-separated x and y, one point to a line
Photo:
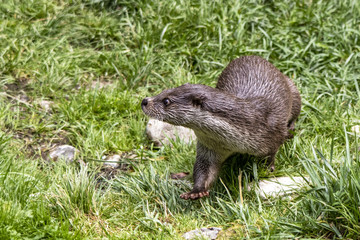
65	51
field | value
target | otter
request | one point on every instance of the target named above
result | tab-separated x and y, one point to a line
252	110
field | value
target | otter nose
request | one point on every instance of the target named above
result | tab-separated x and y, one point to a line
144	102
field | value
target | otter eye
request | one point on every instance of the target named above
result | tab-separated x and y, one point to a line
166	101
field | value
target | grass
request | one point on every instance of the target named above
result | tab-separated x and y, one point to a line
64	51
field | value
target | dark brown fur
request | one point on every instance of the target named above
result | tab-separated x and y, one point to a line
252	110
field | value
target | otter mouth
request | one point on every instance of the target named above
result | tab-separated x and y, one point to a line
152	114
148	112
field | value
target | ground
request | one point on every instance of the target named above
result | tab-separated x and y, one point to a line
94	61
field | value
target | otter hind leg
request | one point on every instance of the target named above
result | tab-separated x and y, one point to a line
270	161
291	129
295	110
206	170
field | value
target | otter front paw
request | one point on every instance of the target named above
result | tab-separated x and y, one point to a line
194	195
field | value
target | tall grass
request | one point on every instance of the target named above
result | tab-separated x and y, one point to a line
332	205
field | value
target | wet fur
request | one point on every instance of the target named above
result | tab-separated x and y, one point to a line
252	110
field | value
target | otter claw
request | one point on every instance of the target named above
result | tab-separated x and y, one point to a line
194	195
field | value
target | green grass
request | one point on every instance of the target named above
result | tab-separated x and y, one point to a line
62	51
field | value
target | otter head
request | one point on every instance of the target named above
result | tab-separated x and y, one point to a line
177	106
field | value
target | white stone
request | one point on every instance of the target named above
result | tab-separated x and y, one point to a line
46	105
279	186
100	84
162	133
207	233
65	152
112	161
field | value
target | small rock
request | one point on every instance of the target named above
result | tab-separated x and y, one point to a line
65	152
113	161
46	105
208	233
162	133
100	84
279	186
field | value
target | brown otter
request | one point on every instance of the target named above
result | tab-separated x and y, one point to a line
252	110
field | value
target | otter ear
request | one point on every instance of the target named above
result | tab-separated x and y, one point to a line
198	100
